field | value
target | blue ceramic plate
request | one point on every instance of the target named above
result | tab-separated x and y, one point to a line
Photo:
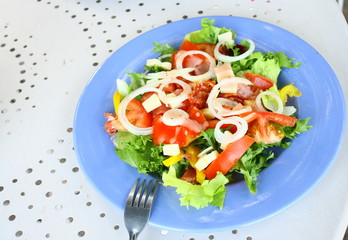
295	171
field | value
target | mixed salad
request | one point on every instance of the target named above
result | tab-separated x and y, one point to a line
205	115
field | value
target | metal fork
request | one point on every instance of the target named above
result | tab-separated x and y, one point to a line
138	206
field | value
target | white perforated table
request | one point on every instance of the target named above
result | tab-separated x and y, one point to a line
49	49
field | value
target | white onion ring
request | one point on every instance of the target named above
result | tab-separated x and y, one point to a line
205	76
241	125
180	98
122	111
170	74
260	107
215	92
204	151
219	103
289	110
165	56
224	58
175	117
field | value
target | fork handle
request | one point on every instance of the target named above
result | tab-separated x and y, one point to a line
133	236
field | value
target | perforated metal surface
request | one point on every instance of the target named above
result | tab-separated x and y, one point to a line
48	52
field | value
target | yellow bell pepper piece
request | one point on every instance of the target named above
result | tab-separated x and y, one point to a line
192	152
200	176
117	100
289	90
172	160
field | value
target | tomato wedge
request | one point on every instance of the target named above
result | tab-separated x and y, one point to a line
259	81
163	133
225	161
196	114
137	115
265	117
261	127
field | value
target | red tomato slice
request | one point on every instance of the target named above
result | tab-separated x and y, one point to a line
206	47
260	82
187	46
163	133
262	129
265	117
225	161
196	114
137	115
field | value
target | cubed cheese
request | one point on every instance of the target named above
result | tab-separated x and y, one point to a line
152	103
229	88
171	149
207	114
226	37
205	160
223	71
152	62
166	65
157	62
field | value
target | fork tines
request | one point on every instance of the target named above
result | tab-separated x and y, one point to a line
141	194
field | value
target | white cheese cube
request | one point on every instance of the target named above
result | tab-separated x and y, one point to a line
166	65
205	160
223	71
207	114
154	62
152	103
171	149
226	37
229	88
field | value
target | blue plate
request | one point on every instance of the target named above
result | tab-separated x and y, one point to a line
294	172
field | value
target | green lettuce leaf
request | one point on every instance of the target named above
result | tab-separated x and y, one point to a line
209	192
163	48
300	126
265	64
136	80
208	34
252	162
206	139
140	152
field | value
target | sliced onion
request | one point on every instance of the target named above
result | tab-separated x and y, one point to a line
232	85
173	74
219	104
224	58
289	110
122	111
174	100
165	56
225	139
205	76
260	107
175	117
204	151
215	92
122	87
